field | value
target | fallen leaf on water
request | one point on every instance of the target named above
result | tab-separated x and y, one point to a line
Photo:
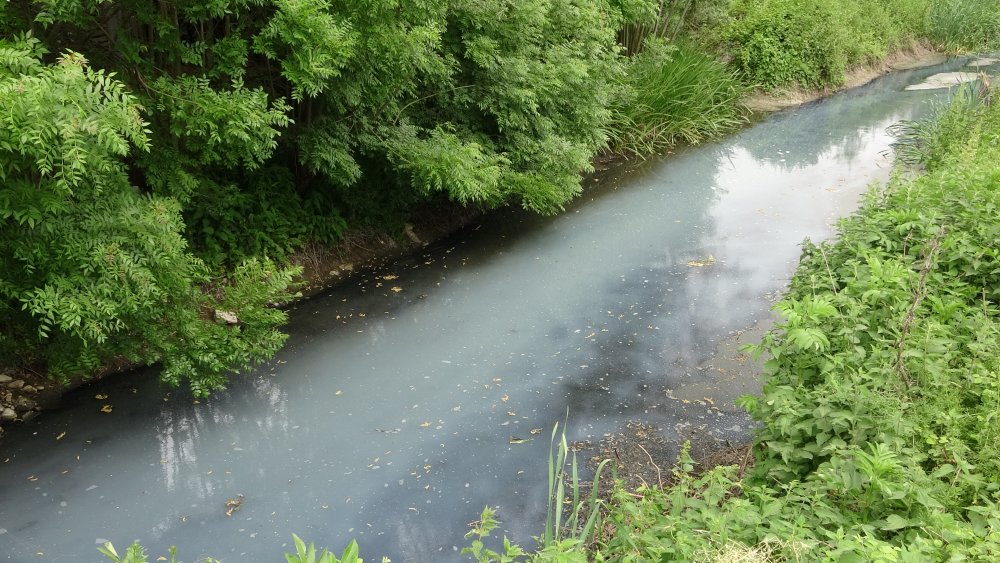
390	277
535	431
511	413
100	396
702	263
516	440
425	424
339	392
505	398
60	436
395	289
106	408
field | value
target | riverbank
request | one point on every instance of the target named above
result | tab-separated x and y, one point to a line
918	54
28	392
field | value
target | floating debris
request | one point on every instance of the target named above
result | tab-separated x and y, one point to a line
944	80
234	504
702	263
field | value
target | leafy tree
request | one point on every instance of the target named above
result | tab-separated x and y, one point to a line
172	141
90	268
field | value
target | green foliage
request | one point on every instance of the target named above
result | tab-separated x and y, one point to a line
175	141
311	43
136	554
812	43
232	128
303	554
90	269
561	540
965	25
308	554
227	225
928	142
671	94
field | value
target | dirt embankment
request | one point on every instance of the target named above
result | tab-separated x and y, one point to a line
917	55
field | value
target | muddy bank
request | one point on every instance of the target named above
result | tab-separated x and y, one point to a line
645	455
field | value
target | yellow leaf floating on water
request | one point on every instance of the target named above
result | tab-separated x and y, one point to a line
106	408
395	289
535	431
511	413
702	263
339	392
60	436
100	396
516	440
390	277
505	398
425	424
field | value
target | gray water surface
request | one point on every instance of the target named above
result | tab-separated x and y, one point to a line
388	416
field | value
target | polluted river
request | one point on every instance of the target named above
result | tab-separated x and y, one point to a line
411	396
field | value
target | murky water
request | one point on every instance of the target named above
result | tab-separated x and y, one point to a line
389	415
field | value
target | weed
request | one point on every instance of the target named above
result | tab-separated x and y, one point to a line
674	93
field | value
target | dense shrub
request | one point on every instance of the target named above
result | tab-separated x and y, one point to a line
813	42
90	268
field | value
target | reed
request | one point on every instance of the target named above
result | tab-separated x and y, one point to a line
965	25
674	94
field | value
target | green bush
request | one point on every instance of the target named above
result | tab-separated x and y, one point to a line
779	42
812	43
227	225
90	268
879	412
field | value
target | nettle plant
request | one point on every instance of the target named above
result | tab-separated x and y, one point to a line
91	268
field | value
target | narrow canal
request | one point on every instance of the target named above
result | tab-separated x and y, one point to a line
412	396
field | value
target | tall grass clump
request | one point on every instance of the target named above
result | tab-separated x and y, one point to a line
965	25
674	93
927	143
